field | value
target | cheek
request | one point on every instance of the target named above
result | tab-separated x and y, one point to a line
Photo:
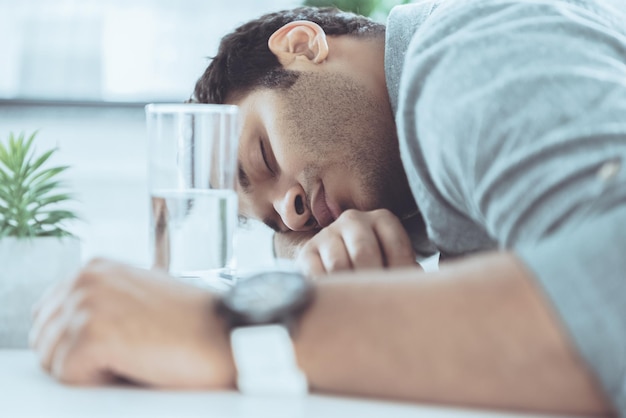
310	139
293	158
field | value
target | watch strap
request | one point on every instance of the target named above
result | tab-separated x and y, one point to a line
266	361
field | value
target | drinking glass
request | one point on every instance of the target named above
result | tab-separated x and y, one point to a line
192	167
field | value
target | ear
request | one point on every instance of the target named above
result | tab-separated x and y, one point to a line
297	40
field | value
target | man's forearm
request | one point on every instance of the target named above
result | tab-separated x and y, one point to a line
286	244
476	333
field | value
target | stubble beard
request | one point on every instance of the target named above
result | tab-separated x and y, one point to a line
339	125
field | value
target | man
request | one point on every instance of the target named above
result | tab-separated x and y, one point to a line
511	122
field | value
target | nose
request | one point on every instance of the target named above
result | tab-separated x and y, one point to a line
293	209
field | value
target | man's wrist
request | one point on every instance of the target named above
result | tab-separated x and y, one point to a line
287	244
257	314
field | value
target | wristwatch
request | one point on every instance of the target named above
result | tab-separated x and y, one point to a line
261	312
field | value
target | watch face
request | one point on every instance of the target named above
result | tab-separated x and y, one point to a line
265	296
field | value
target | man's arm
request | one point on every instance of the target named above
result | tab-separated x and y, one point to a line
287	244
522	132
356	240
476	333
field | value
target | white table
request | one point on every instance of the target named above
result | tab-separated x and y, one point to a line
26	391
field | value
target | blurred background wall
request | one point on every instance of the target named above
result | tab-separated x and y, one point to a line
113	50
81	71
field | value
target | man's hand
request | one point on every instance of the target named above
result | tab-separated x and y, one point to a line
358	240
115	321
287	244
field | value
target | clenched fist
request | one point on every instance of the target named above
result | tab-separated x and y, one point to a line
358	240
114	320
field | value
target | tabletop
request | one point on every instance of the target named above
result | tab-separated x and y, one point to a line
26	391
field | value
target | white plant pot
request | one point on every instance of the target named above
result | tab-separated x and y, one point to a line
27	268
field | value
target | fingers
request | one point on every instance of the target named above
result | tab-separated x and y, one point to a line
120	321
55	328
334	255
358	241
331	256
287	244
60	320
311	263
315	260
46	309
394	242
363	248
76	359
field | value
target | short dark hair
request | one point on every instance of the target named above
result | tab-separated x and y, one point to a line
244	62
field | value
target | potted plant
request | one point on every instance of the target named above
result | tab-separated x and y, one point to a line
36	249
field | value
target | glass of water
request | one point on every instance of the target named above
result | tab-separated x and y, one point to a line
192	172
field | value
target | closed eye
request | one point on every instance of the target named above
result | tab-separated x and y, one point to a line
244	180
274	225
264	155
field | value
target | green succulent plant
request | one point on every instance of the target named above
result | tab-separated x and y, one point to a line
30	192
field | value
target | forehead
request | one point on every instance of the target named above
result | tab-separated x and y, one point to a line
260	104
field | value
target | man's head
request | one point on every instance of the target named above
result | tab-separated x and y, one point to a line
318	135
244	61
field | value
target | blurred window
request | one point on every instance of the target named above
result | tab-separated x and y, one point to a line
114	50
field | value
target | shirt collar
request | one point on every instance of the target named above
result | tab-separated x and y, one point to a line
402	23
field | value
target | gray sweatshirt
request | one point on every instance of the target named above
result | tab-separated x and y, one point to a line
511	117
